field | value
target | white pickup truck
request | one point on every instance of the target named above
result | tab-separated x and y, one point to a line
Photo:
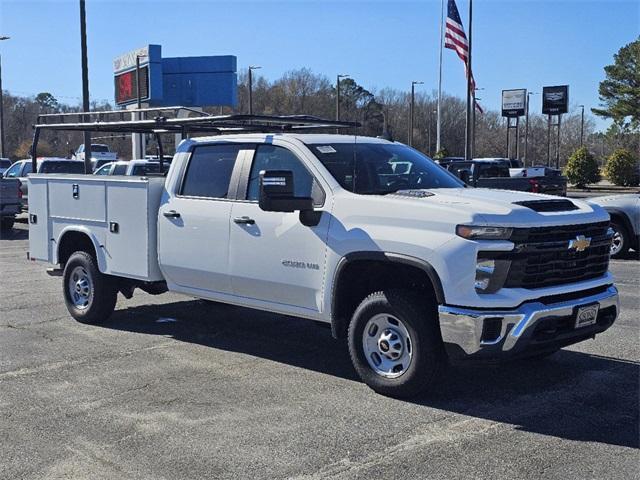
369	236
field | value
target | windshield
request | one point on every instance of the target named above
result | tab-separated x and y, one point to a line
149	168
62	167
99	148
379	168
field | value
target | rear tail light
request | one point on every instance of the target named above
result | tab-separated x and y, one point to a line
535	186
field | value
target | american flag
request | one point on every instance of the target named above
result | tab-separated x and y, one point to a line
455	39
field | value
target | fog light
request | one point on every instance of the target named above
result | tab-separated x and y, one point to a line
485	269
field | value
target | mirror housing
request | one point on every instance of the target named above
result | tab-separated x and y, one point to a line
276	193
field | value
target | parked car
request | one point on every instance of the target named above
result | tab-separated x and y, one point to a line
10	202
5	163
495	173
100	154
406	263
132	167
625	221
22	168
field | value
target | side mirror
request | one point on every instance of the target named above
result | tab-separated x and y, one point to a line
464	174
276	193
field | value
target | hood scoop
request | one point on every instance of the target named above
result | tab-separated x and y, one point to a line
414	193
548	205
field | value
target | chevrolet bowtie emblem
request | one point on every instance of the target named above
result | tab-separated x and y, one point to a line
580	243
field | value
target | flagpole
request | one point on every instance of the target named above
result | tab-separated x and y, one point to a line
440	78
467	146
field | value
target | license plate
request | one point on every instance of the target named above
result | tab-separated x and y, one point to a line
587	315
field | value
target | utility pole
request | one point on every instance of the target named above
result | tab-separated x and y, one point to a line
2	145
412	110
581	125
338	77
526	128
251	67
85	85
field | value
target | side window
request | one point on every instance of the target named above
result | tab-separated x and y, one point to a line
272	157
120	170
13	171
103	170
209	170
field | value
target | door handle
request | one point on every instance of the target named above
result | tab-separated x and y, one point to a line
244	220
171	214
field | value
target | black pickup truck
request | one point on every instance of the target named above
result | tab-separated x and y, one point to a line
10	205
495	174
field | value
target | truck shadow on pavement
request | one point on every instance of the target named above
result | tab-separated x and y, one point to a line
571	395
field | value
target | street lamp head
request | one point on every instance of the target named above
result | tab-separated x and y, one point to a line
254	67
341	75
4	37
416	83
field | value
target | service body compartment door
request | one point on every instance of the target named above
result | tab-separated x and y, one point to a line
39	228
127	235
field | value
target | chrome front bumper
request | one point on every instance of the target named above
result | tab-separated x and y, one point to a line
471	333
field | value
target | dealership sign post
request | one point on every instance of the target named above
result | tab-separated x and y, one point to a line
513	106
143	78
555	102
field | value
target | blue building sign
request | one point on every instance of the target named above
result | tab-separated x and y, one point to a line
185	81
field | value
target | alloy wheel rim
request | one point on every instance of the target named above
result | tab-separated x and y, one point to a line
617	242
80	287
387	345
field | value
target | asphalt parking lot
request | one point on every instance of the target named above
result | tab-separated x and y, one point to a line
172	387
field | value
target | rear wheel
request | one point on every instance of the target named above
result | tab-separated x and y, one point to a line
620	242
395	344
90	295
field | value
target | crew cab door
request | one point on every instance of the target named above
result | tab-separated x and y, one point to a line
193	223
274	257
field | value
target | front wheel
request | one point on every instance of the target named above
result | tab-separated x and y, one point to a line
620	241
395	343
90	295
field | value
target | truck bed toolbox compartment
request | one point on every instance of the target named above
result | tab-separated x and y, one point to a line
119	214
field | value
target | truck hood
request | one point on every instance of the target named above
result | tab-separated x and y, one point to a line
505	208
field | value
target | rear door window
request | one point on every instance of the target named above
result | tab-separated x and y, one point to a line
209	170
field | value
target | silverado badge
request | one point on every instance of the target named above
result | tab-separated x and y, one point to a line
580	243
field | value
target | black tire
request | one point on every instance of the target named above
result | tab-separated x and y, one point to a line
624	238
419	317
101	300
7	223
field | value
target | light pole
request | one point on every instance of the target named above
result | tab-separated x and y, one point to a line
581	124
2	147
412	109
526	129
338	77
251	68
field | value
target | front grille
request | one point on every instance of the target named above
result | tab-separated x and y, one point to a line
542	257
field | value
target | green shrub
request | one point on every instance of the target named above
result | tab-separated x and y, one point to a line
622	168
442	153
582	168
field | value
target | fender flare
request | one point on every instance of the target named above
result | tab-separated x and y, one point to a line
391	257
97	246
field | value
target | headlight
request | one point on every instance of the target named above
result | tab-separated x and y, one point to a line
485	269
471	232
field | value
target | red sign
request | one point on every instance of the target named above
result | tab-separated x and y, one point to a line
127	86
